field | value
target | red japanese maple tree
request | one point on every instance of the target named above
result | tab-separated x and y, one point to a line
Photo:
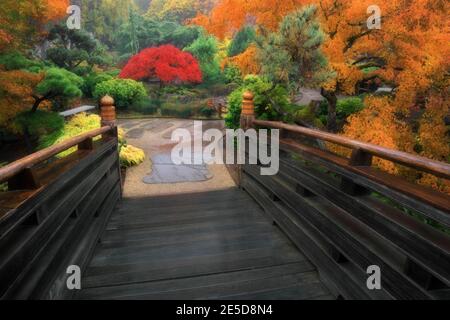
166	63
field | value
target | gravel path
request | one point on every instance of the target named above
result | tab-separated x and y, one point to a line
153	136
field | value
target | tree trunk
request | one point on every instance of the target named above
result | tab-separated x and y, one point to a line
331	98
36	104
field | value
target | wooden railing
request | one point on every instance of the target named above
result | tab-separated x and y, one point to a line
55	210
347	215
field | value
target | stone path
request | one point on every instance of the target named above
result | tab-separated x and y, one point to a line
158	175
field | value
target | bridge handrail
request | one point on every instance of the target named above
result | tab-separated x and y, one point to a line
436	168
12	169
108	117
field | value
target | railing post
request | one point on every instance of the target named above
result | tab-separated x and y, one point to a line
108	118
248	111
107	111
358	158
247	117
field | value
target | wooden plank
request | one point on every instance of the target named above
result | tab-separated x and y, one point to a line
163	269
212	286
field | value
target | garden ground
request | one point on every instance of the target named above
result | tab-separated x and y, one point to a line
154	137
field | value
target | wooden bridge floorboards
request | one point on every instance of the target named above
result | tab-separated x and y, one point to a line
213	245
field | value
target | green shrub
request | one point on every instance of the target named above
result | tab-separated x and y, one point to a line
348	106
125	92
38	123
16	61
92	80
344	108
232	74
206	112
176	110
146	106
271	101
205	49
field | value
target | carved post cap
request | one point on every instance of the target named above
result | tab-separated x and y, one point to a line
248	110
107	111
248	106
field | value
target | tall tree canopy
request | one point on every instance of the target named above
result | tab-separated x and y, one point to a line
293	54
23	22
241	41
205	49
228	16
178	10
70	48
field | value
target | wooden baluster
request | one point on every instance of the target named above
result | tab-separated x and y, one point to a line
25	180
87	144
358	158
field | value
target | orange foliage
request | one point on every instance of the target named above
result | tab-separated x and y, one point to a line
434	139
411	50
16	90
377	124
21	20
246	61
230	15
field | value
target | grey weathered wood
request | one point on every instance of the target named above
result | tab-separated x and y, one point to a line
219	239
34	255
340	278
358	243
429	247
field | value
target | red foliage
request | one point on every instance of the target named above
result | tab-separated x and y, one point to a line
167	63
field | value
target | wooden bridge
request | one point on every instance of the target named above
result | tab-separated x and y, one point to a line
310	232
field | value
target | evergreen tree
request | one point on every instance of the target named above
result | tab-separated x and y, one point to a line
205	49
293	55
241	41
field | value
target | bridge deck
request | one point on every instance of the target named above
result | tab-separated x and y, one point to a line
212	245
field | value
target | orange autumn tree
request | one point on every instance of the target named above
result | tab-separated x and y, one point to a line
411	52
246	61
407	52
16	92
23	21
228	16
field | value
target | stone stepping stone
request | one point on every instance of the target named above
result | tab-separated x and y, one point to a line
165	171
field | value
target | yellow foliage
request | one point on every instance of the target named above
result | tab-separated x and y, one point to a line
131	156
